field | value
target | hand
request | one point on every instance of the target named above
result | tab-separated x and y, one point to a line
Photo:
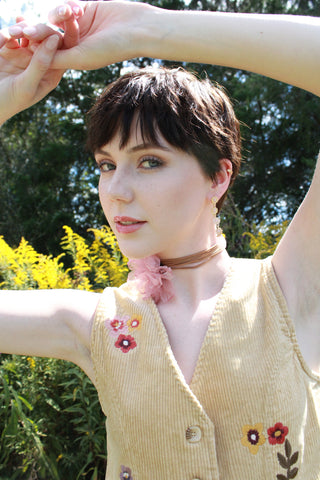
108	32
30	36
25	76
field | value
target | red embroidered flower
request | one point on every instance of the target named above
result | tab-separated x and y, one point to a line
277	434
125	343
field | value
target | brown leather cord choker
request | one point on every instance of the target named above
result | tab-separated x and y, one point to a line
194	260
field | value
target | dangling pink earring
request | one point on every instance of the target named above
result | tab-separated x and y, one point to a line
216	220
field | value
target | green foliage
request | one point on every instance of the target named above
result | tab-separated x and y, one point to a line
51	424
48	180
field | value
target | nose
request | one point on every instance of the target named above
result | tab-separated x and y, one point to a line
118	187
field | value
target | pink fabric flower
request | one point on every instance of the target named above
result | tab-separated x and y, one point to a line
117	325
152	279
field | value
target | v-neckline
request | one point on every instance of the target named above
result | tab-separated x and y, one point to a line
165	338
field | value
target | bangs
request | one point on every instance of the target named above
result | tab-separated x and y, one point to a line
128	118
153	103
191	115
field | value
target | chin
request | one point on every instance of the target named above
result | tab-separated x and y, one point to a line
137	252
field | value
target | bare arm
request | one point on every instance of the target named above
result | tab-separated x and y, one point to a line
48	323
283	47
297	266
53	323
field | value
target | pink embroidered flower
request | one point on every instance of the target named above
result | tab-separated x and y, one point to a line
134	323
153	280
277	434
117	325
125	343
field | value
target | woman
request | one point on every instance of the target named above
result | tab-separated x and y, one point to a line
215	374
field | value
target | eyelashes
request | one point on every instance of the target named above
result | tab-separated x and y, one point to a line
151	162
148	162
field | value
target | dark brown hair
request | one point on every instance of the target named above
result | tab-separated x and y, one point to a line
192	115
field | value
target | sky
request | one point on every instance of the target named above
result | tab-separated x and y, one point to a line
33	10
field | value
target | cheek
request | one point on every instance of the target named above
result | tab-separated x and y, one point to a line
103	197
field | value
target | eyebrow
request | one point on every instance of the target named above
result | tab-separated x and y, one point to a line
136	148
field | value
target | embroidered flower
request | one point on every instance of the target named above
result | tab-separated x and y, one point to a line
277	434
153	280
253	437
117	325
134	323
125	473
125	343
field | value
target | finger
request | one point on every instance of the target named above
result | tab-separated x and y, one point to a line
63	13
38	33
71	33
12	43
66	18
4	37
16	32
24	42
77	9
40	63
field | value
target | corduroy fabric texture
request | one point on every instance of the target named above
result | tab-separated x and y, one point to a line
252	410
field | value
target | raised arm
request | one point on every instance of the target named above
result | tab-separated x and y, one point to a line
282	47
52	323
286	48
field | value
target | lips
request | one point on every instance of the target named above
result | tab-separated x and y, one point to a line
127	224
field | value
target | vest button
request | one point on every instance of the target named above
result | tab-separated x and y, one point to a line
193	434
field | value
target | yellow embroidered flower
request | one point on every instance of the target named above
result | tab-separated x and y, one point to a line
253	437
134	323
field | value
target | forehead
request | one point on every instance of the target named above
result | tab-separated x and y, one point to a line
136	138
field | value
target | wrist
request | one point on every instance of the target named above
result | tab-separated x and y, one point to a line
171	35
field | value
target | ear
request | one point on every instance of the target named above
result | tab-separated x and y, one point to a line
221	182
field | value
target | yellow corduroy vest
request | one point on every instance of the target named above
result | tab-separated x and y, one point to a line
252	410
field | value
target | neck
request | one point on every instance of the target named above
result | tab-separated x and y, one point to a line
196	284
201	275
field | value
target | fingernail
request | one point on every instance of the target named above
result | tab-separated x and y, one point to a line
52	42
14	30
30	31
62	11
76	10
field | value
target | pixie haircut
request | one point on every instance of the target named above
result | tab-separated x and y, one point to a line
190	114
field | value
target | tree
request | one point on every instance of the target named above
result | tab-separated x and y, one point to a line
49	180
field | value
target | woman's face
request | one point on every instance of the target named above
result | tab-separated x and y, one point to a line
155	198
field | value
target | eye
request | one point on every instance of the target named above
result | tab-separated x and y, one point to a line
105	166
150	162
